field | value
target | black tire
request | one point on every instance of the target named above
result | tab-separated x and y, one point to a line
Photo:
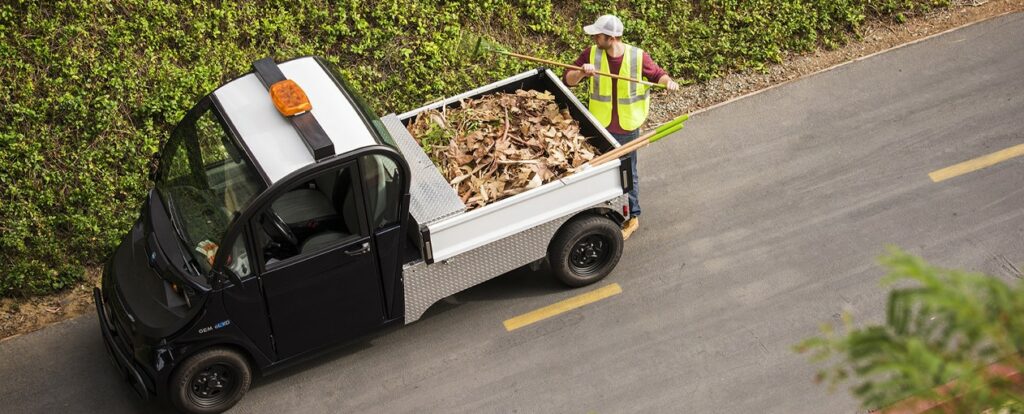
585	250
211	381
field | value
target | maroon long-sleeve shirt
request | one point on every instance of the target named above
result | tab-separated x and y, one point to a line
651	71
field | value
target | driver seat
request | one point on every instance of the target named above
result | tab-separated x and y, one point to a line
301	205
344	204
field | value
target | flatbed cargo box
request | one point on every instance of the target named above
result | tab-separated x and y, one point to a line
448	232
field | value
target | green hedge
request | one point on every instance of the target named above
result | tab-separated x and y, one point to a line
90	88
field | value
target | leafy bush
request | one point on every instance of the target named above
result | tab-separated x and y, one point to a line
943	332
90	88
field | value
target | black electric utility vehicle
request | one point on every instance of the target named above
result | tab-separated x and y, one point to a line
287	218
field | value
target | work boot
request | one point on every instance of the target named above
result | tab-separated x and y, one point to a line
630	226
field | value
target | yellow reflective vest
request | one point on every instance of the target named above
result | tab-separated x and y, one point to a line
633	98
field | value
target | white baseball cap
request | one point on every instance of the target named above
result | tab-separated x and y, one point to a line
607	24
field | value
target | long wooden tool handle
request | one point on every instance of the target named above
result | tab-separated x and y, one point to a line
623	149
660	132
573	67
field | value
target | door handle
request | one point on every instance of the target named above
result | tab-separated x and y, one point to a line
362	249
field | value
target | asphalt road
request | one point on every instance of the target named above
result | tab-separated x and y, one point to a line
763	219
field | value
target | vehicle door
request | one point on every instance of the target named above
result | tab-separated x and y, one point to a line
384	185
318	267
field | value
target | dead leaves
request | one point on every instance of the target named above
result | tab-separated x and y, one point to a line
502	144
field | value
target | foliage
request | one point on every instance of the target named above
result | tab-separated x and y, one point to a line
90	88
940	325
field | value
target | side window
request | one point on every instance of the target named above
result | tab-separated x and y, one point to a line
238	262
311	216
382	182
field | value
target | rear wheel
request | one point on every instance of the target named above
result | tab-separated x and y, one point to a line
585	250
211	381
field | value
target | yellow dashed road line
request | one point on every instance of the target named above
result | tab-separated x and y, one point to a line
562	307
977	163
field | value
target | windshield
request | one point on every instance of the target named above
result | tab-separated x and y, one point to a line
205	183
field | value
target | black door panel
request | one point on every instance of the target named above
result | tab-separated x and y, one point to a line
323	287
328	297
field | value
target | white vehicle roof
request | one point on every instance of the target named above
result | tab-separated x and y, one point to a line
275	144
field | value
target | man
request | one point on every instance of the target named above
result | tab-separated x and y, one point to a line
620	106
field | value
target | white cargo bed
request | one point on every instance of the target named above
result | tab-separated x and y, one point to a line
436	206
463	248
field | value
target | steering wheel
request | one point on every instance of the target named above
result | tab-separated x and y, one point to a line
278	229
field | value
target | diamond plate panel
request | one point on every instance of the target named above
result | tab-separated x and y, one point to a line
432	197
426	284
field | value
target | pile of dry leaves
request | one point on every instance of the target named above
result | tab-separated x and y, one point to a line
502	144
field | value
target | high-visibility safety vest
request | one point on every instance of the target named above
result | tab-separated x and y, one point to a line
633	98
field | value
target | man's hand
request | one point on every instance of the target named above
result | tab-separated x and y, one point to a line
573	77
669	83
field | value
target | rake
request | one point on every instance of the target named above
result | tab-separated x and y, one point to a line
483	46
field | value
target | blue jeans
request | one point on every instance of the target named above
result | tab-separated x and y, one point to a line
634	194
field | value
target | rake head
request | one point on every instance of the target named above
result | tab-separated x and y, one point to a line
477	49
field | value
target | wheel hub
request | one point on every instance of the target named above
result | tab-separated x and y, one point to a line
209	385
588	254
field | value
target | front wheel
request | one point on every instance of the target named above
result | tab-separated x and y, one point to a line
585	250
211	381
